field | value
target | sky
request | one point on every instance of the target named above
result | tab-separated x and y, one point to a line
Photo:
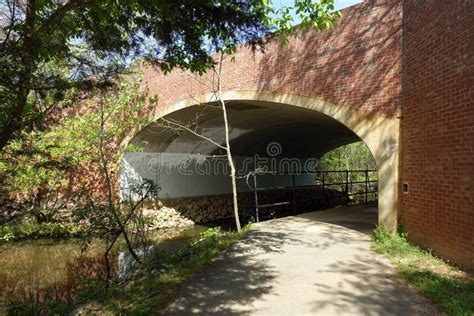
339	4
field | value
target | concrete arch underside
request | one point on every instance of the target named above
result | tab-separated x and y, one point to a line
304	127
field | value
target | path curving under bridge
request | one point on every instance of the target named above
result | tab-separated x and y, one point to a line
318	263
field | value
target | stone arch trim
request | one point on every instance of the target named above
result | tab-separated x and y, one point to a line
379	132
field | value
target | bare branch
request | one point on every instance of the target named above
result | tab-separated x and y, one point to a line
179	126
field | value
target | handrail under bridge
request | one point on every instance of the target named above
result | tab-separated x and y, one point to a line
322	183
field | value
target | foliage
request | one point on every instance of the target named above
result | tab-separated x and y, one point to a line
355	156
450	289
211	233
28	229
49	47
319	15
48	308
112	219
44	168
65	156
149	290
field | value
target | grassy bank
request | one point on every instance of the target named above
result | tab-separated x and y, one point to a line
31	230
151	287
451	289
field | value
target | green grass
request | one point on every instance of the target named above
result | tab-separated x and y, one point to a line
31	230
451	289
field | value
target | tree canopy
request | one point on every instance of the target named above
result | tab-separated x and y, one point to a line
49	47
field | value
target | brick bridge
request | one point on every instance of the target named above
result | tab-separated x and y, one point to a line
397	75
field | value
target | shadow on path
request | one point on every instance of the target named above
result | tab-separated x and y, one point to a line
316	263
234	278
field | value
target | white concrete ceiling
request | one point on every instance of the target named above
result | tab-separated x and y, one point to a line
301	132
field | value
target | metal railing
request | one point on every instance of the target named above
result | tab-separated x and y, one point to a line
322	180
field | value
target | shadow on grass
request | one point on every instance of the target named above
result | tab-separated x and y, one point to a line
451	289
455	296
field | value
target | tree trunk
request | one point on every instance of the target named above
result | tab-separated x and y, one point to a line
229	153
13	122
111	205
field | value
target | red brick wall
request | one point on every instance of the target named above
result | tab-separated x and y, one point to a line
437	158
358	63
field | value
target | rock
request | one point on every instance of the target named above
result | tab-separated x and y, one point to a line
166	217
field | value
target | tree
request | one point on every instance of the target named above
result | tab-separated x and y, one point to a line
191	127
49	47
227	145
45	166
354	156
112	219
51	169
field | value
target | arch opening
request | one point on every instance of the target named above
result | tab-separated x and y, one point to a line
187	166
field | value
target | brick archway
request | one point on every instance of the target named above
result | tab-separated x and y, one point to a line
351	74
380	133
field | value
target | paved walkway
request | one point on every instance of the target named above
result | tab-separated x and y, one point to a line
317	263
